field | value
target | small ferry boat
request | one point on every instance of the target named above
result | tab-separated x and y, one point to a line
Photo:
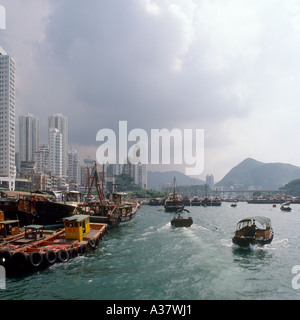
180	221
174	200
286	207
36	251
248	233
234	204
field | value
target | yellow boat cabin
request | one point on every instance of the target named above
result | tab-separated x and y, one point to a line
77	226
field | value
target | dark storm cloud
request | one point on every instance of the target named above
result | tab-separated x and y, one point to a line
229	67
112	60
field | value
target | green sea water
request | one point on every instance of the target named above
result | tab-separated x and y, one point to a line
147	259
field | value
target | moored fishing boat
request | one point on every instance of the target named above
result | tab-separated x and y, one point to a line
10	202
49	210
186	201
77	237
113	209
207	202
248	233
113	212
196	201
157	202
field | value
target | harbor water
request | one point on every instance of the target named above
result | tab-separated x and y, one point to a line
147	259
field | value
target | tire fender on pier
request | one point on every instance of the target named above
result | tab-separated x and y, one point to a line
73	253
36	259
63	255
83	249
4	256
50	256
19	259
94	243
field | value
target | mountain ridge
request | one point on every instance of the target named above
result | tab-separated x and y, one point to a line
251	172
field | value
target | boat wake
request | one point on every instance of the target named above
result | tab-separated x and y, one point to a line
195	226
164	227
281	243
227	243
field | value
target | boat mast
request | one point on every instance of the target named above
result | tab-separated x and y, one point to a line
96	182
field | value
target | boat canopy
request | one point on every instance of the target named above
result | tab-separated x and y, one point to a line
251	220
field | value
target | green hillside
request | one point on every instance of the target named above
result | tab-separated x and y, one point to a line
251	172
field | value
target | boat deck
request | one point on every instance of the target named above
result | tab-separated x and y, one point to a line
93	233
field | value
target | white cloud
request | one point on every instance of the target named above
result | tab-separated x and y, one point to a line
151	7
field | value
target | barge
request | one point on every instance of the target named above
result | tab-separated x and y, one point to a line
36	251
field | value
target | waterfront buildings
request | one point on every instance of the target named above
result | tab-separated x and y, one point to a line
47	166
7	119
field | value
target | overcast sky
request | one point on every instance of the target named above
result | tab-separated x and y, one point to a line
230	67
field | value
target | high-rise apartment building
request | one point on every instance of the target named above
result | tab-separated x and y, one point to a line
29	136
60	122
74	172
140	175
41	157
7	118
55	152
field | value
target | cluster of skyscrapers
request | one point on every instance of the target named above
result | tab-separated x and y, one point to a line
54	165
55	159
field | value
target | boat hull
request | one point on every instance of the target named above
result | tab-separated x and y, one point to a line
181	222
288	209
124	213
52	212
247	241
173	208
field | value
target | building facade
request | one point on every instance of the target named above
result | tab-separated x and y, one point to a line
42	159
7	118
29	136
60	122
55	152
74	173
140	175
